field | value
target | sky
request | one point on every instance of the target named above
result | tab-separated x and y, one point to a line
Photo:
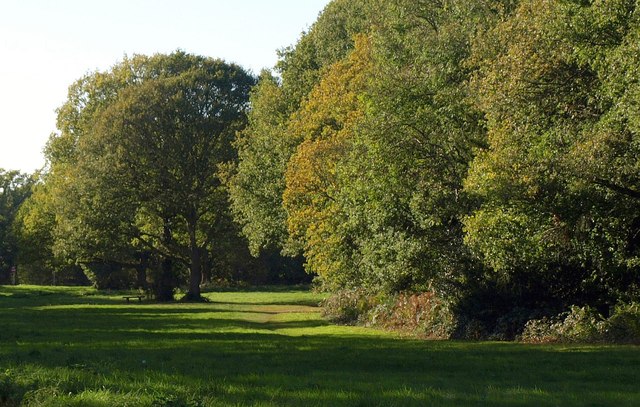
46	45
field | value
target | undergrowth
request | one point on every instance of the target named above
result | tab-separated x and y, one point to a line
586	325
426	315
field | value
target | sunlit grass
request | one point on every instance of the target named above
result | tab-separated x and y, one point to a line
78	347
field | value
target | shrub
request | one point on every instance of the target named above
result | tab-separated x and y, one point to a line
347	306
584	324
420	313
580	324
623	326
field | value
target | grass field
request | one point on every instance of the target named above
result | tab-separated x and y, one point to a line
78	347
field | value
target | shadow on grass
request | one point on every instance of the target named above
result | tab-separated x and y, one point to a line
302	302
259	289
223	358
31	296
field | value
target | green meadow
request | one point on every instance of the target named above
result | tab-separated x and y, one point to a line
80	347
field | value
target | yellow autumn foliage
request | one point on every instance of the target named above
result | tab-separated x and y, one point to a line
324	124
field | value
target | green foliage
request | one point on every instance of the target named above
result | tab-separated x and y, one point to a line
257	183
109	275
545	82
35	226
373	146
623	325
586	325
15	188
135	169
163	141
406	198
484	152
526	240
329	39
326	123
580	324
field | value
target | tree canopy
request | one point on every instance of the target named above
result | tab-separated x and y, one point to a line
134	169
485	152
15	188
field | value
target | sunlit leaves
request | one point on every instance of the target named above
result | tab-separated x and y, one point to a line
559	181
325	122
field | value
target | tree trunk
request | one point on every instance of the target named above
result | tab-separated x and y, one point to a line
165	281
206	266
195	277
141	276
141	271
164	285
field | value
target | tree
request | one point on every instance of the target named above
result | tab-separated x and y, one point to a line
15	188
559	216
326	122
134	170
162	142
34	227
377	144
73	202
403	181
257	183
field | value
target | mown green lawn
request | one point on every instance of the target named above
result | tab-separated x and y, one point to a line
77	347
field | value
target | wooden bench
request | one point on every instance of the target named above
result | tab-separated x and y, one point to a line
129	297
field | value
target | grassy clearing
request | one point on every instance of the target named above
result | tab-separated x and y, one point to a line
77	347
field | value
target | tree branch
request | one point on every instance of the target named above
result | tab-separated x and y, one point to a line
618	188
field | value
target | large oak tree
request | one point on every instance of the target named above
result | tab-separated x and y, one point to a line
141	173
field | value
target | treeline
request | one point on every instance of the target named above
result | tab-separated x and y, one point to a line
482	153
485	152
132	194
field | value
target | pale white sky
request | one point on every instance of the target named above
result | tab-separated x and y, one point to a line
45	45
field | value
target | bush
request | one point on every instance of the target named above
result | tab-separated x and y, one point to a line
585	325
419	313
347	306
623	326
580	324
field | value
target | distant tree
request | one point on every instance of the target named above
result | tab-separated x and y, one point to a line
15	188
34	226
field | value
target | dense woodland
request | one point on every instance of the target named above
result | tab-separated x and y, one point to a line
477	160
